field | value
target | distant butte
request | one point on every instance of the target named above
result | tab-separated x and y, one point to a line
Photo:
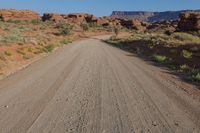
149	16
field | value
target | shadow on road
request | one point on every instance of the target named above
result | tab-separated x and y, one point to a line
139	49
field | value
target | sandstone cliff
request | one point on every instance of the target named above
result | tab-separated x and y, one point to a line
21	15
149	16
189	21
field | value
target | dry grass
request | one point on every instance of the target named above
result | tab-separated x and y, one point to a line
178	51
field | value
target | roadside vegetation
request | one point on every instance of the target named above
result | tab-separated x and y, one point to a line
85	26
178	51
23	41
64	28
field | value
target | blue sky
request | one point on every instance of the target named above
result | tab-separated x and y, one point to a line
99	7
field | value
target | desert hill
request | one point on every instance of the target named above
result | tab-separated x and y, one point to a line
149	16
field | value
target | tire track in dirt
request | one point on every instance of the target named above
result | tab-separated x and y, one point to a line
94	88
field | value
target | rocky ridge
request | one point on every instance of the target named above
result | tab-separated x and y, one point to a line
149	16
189	21
19	15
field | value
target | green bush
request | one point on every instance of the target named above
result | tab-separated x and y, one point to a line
30	50
35	22
195	74
8	53
66	42
116	31
13	36
84	26
21	52
50	48
116	41
113	38
94	25
14	21
40	49
187	54
196	77
160	58
184	67
186	37
26	57
64	28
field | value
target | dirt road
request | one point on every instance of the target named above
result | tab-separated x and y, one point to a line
91	87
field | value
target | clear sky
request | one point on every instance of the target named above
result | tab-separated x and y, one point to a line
99	7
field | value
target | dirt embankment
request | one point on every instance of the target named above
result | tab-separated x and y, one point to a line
22	43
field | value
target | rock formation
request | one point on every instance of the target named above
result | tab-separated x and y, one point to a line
19	15
149	16
132	24
77	18
163	25
53	17
189	21
108	21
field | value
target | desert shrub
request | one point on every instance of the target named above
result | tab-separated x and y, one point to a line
36	21
26	57
196	77
30	50
8	53
40	50
93	25
46	24
115	41
195	74
50	47
84	26
21	52
116	31
14	36
108	28
187	54
168	32
195	71
23	29
160	58
184	68
66	42
113	38
20	44
2	25
64	28
14	21
186	37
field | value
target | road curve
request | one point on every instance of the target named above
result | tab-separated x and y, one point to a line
91	87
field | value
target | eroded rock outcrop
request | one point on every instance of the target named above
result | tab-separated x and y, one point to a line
76	18
20	15
149	16
53	17
189	21
108	21
163	25
132	24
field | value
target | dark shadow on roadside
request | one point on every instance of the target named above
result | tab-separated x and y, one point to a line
144	51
